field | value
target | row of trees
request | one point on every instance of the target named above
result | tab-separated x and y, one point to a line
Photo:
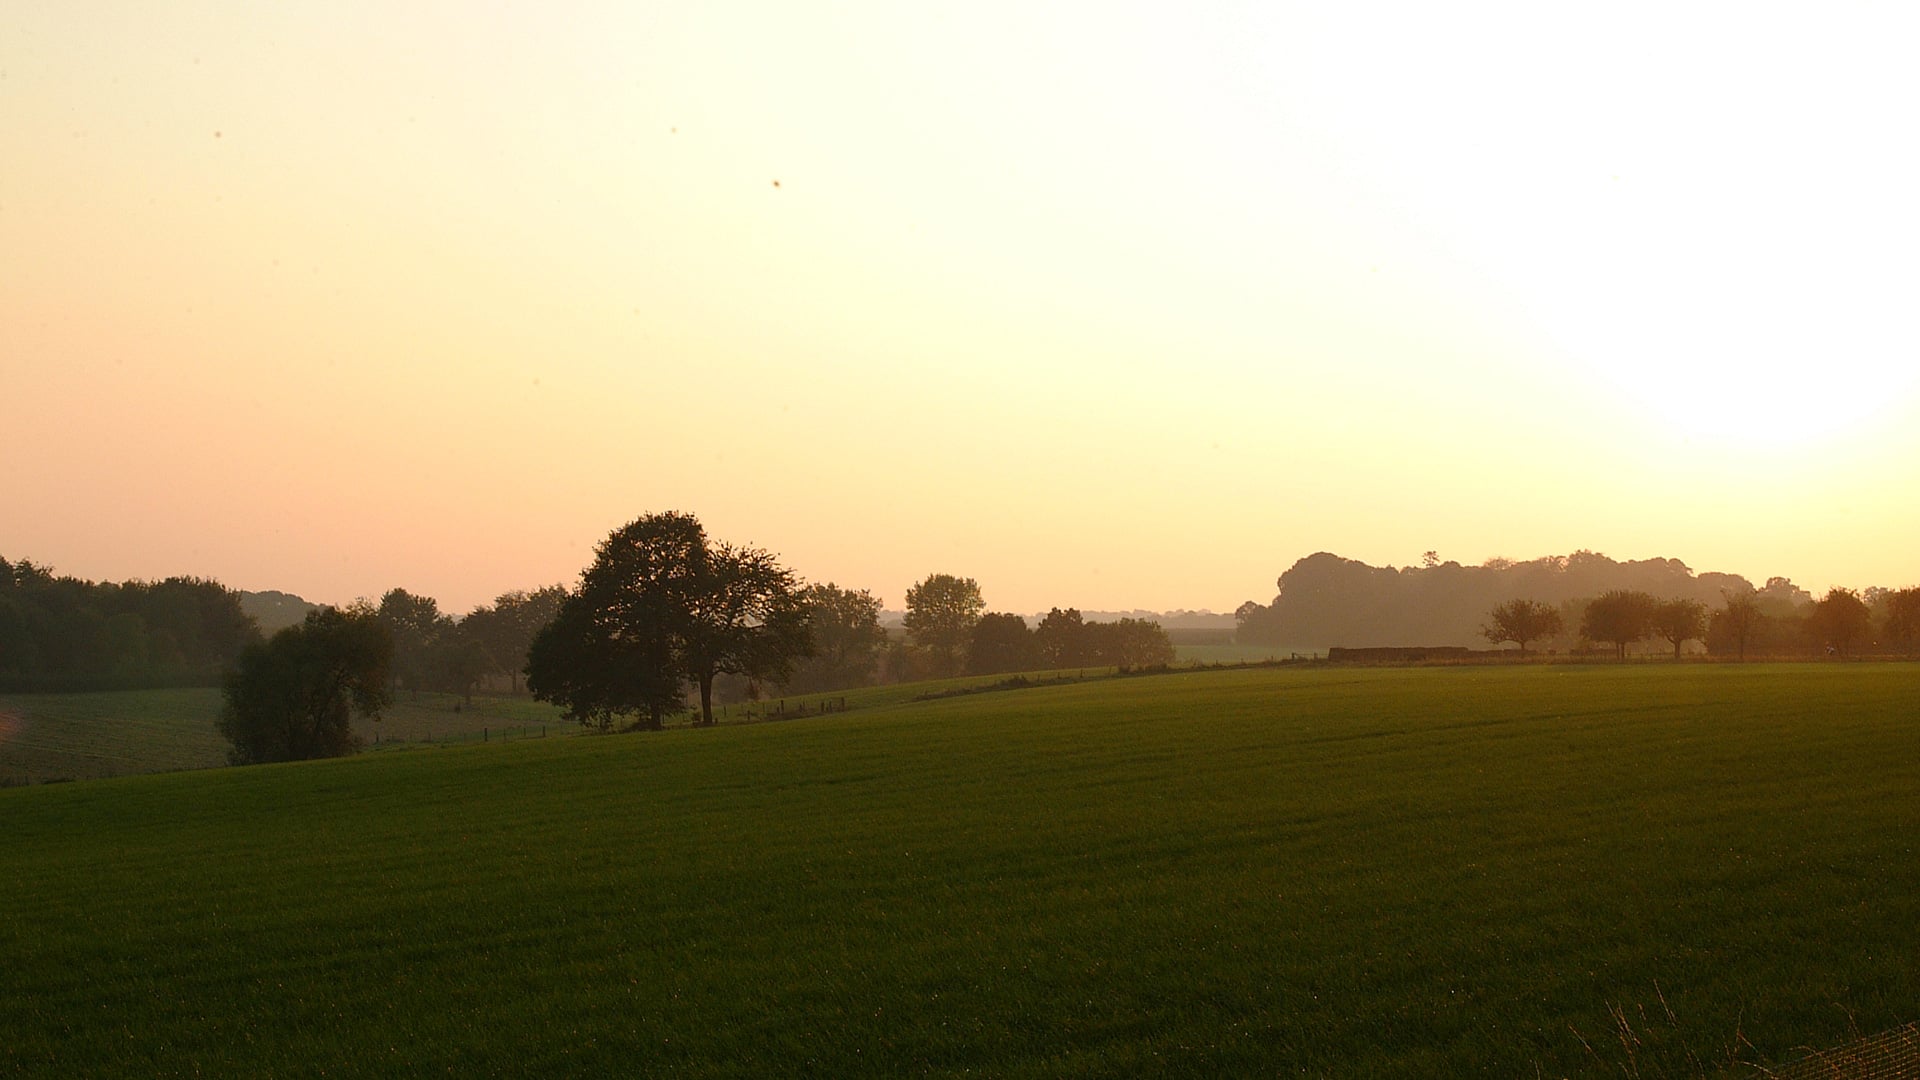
1324	599
434	651
59	632
1842	622
947	617
663	608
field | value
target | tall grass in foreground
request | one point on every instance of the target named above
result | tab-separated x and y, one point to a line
1486	871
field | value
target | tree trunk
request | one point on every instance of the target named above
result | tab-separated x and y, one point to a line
706	699
1676	648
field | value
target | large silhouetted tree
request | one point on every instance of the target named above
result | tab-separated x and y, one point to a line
1618	617
662	603
598	670
1679	621
1521	621
941	612
294	696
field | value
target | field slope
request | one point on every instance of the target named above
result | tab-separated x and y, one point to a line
1650	870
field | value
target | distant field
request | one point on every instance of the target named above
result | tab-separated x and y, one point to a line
1648	870
1241	654
112	733
53	737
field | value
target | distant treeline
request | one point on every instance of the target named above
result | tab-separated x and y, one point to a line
1326	600
62	633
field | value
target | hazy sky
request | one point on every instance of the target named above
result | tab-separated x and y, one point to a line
1102	305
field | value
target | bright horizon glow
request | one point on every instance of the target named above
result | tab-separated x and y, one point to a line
1105	306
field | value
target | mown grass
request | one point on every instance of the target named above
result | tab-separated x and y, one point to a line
84	736
47	738
1412	872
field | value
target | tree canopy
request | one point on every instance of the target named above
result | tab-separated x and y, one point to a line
1840	621
1521	621
1000	643
847	638
62	633
662	605
941	611
295	695
1619	617
1679	621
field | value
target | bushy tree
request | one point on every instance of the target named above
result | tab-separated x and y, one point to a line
941	612
1902	626
847	639
1736	624
599	670
1521	621
1001	643
294	696
417	627
1128	644
1618	617
1679	621
1840	621
507	627
661	603
1062	638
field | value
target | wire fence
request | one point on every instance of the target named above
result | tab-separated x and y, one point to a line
1890	1055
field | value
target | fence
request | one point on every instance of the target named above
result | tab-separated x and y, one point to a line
1890	1055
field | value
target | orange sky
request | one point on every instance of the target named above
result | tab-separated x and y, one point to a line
1102	305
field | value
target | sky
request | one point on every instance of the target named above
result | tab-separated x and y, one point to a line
1103	305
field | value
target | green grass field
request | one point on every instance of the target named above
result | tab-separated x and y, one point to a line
1650	870
46	738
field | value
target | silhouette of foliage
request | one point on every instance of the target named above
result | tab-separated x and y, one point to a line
1002	642
1619	617
294	696
941	611
1736	624
1521	621
1324	599
1839	621
62	633
1902	626
660	604
844	626
1679	621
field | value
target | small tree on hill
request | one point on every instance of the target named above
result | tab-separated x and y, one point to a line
847	639
1840	621
1902	629
1737	622
1000	643
941	612
1618	617
1128	644
1062	637
294	696
1521	621
1679	621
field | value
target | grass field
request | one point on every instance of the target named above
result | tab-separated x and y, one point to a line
46	738
1642	871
